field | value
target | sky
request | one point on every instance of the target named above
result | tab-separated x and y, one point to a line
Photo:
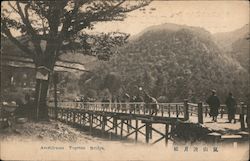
214	16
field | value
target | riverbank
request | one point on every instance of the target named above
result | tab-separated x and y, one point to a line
54	140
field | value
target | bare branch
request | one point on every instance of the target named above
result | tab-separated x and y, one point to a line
25	20
34	36
7	32
12	7
107	13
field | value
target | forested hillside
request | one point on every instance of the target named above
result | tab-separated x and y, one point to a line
235	44
177	62
171	62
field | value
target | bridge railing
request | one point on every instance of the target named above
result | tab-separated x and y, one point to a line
205	108
178	110
201	109
159	109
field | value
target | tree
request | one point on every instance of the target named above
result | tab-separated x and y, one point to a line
112	82
53	26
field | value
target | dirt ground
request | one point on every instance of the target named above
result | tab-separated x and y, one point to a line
47	131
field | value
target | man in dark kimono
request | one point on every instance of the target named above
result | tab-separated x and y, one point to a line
231	107
214	104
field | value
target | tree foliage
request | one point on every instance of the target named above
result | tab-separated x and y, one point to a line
52	26
62	23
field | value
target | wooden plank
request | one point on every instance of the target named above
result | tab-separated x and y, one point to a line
157	131
100	124
130	134
158	140
157	122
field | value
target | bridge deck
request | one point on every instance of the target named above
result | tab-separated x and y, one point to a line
131	119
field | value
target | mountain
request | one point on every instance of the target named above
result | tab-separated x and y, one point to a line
177	62
235	44
225	40
170	27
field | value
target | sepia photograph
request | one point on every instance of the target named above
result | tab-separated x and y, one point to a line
125	80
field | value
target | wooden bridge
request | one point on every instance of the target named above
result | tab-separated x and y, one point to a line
129	120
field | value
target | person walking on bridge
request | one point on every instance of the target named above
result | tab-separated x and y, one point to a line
214	103
231	107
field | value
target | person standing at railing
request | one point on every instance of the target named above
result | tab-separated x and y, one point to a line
132	105
125	100
214	103
105	103
151	104
231	107
139	103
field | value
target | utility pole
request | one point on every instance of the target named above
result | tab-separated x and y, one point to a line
55	80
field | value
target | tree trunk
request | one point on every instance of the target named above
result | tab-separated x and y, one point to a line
47	60
41	108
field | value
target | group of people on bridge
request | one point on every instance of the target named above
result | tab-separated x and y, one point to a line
214	103
122	103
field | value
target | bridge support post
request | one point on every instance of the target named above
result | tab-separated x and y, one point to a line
103	124
166	134
84	118
186	112
150	131
200	113
136	130
242	121
90	123
74	117
115	124
147	132
121	128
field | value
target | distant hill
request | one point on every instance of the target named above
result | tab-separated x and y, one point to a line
235	44
225	40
